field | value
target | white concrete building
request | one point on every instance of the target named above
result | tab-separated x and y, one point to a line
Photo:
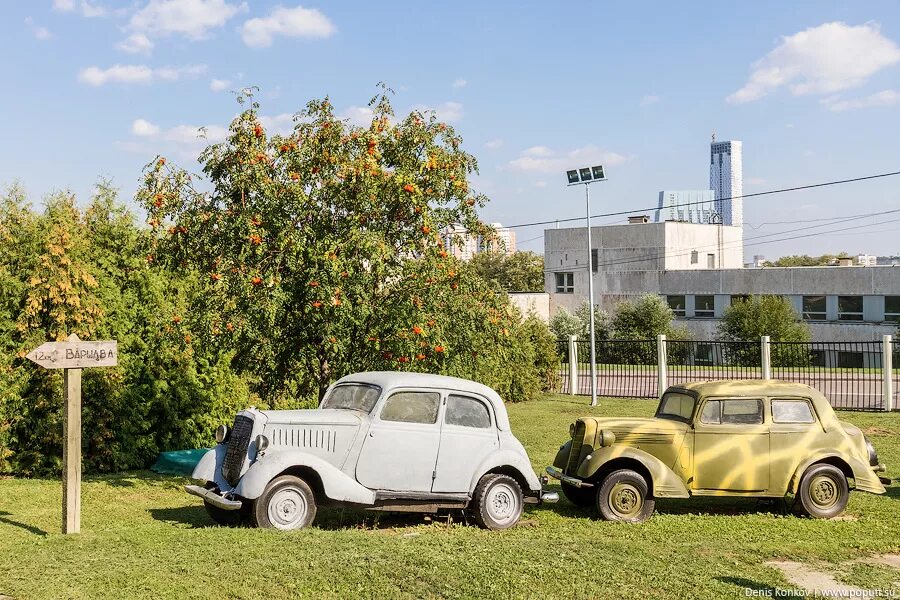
463	245
698	269
690	206
726	180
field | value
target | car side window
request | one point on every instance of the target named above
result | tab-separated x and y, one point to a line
711	412
791	411
467	412
412	407
732	412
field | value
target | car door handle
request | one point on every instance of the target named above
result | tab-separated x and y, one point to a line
371	434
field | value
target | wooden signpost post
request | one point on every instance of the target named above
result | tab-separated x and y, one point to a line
73	355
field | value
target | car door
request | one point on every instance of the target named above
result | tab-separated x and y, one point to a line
468	436
794	432
731	446
400	451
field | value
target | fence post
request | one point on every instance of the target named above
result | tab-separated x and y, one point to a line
887	369
766	357
573	365
661	369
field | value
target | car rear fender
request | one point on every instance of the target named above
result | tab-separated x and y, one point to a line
664	482
864	477
336	484
503	461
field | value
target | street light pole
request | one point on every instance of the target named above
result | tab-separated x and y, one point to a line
587	198
587	176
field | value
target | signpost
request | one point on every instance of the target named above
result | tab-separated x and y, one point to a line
73	355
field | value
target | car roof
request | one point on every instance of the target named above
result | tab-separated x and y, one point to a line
748	387
764	387
388	380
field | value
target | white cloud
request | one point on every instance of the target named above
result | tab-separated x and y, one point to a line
357	115
136	43
194	135
494	144
219	85
460	83
190	18
540	159
820	60
288	22
137	74
649	99
142	128
883	98
449	112
282	124
92	10
87	9
41	33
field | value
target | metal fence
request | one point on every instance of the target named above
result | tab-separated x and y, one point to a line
852	375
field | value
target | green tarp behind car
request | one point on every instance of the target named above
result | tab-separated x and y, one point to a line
178	462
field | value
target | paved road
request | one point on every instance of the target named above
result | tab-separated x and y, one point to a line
844	390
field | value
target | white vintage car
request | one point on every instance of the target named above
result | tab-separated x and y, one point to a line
381	440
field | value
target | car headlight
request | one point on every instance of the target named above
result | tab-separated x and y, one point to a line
873	455
222	432
607	438
262	442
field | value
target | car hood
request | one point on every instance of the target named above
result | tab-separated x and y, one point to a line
314	416
634	430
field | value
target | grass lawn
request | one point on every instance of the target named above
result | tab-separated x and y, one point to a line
142	536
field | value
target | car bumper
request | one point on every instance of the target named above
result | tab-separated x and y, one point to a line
213	498
573	481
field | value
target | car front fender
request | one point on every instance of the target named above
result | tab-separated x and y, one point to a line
665	483
864	477
507	458
336	484
209	467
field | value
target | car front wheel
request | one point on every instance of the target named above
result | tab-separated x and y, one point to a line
287	503
624	496
498	502
824	491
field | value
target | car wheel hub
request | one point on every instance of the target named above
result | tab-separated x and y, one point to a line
502	503
625	499
287	508
823	491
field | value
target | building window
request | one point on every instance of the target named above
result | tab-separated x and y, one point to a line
850	308
694	257
850	360
676	303
892	308
735	299
565	283
814	308
704	306
710	261
594	260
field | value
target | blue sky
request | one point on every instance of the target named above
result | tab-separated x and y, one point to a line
97	88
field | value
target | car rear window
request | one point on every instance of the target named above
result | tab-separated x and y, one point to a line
467	412
792	411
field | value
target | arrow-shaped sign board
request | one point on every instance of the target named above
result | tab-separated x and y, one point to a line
75	354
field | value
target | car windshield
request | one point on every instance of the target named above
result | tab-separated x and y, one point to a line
353	396
677	406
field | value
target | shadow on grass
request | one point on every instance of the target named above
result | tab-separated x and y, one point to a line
26	527
893	490
190	517
750	587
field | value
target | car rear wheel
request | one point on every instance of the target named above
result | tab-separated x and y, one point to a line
287	503
824	491
498	502
624	496
582	497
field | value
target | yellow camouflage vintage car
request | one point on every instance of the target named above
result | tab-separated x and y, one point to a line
762	438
